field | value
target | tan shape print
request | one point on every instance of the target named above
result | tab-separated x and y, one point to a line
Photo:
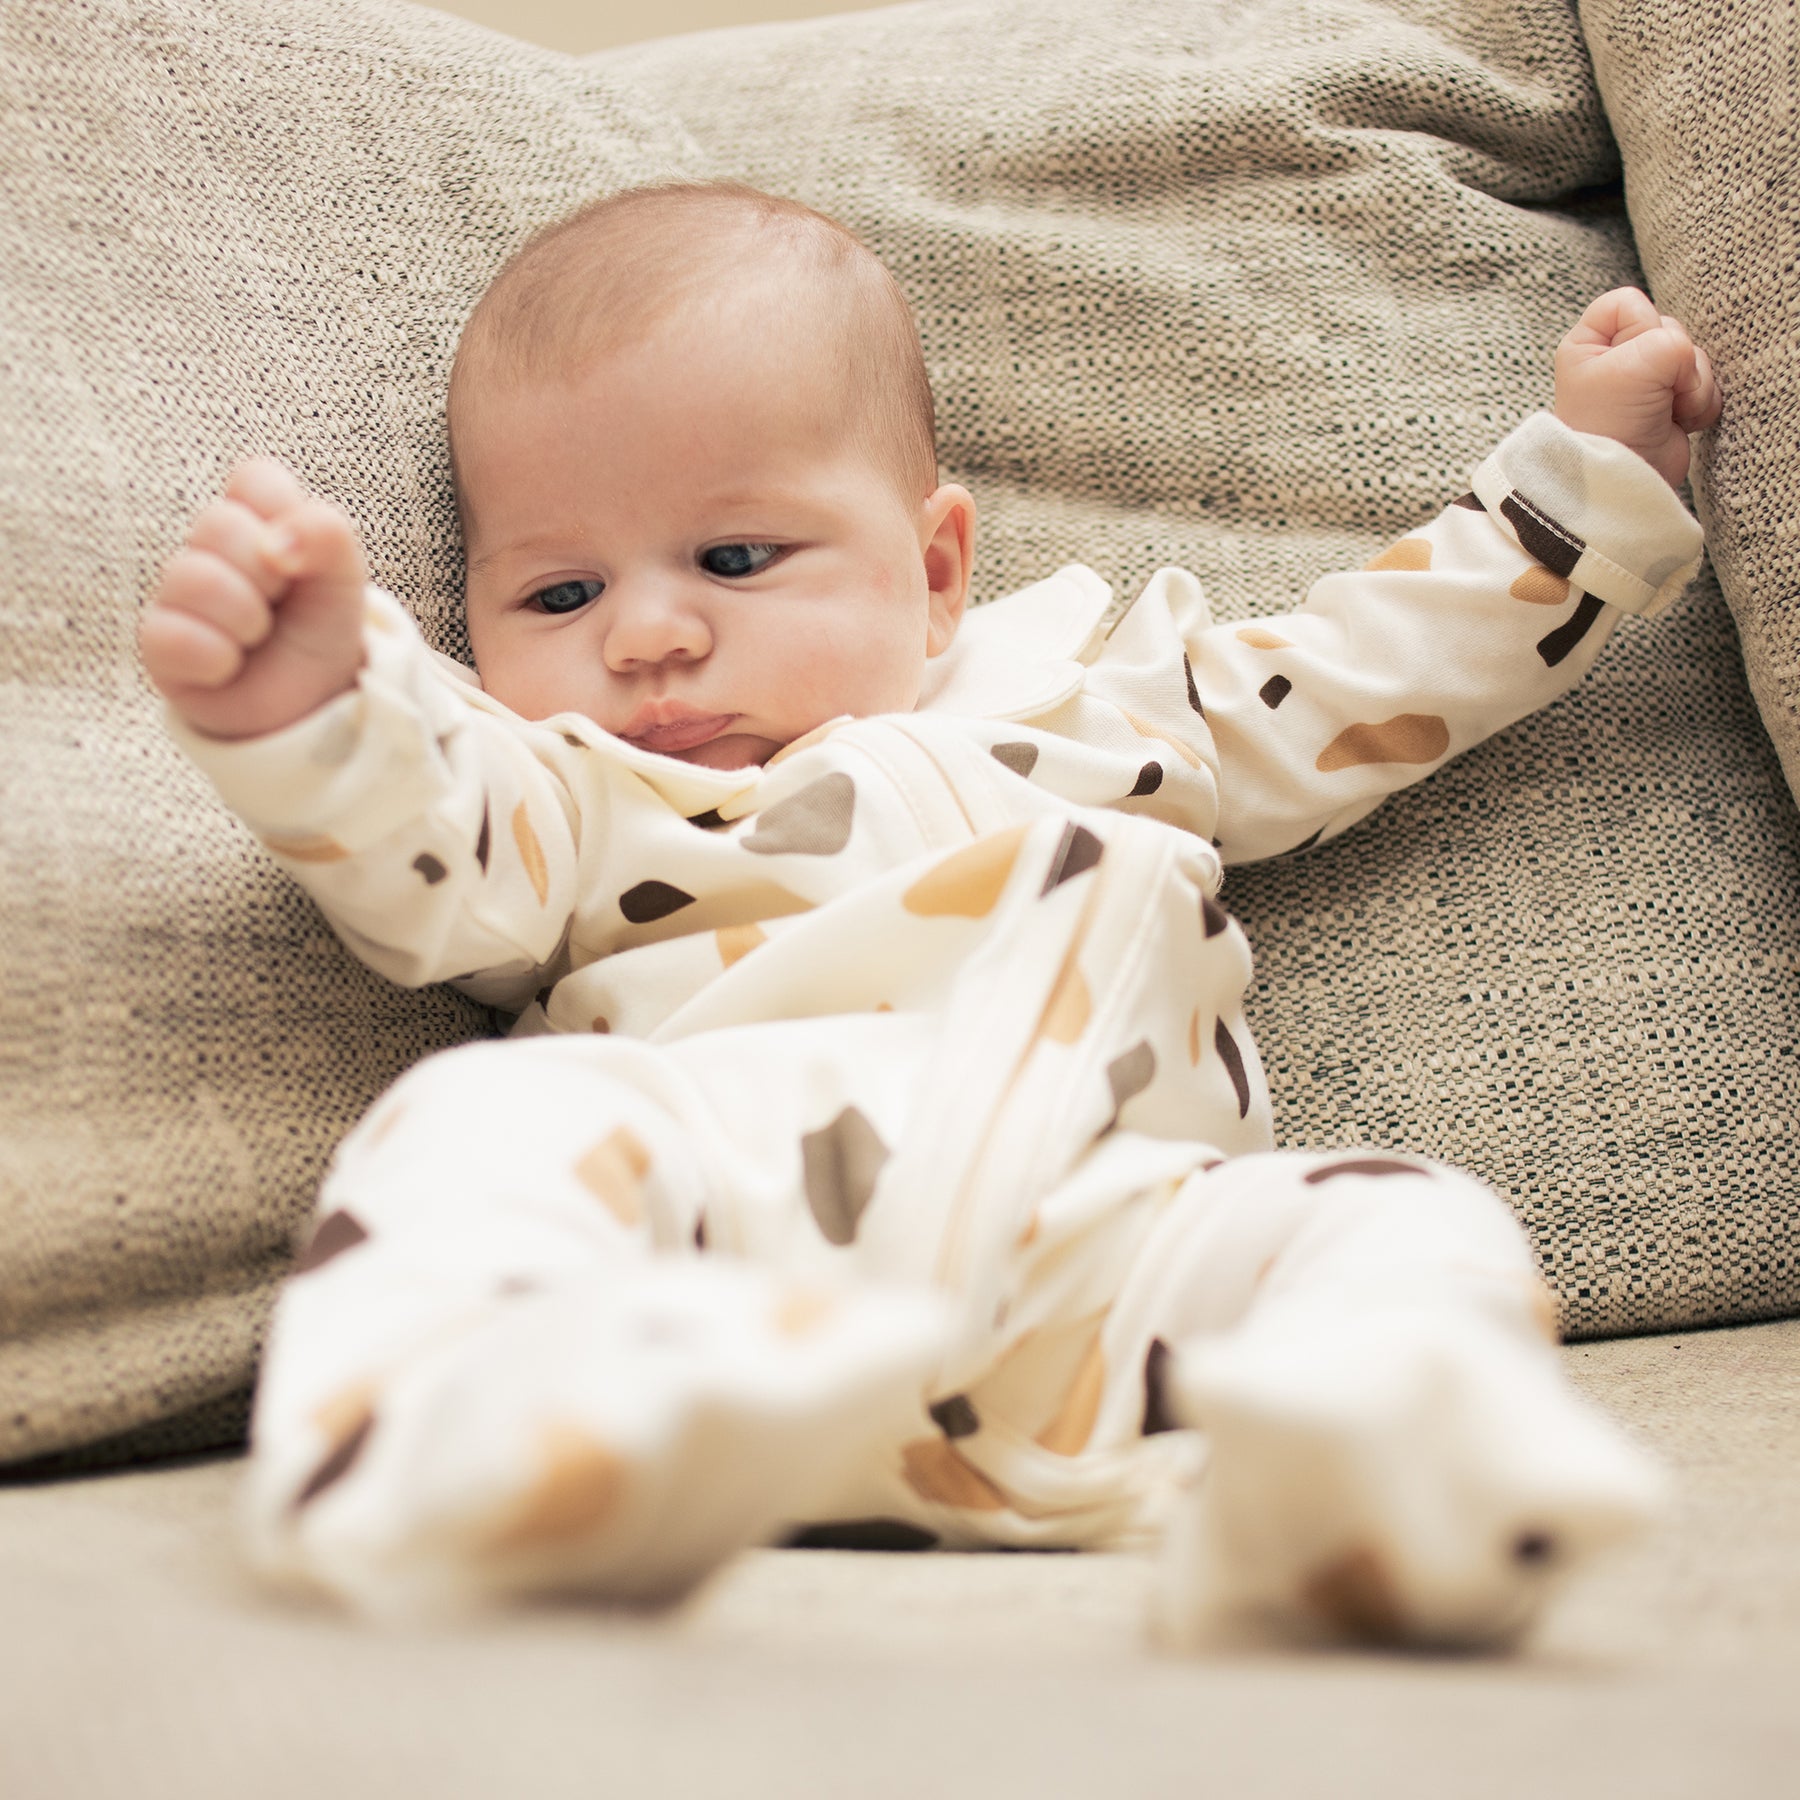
612	1172
1194	1039
737	941
1070	1006
531	853
967	883
1068	1433
1407	738
1259	639
936	1470
1145	729
578	1487
1539	587
1410	553
311	849
801	1311
805	741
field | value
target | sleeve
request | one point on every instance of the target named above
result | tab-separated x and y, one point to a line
1487	613
430	824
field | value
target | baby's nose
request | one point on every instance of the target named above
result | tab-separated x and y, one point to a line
649	623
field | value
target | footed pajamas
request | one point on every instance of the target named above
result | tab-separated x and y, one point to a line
881	1137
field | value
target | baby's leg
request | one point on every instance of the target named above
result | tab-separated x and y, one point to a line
502	1366
1393	1450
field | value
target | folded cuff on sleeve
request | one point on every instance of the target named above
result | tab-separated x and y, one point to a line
1593	512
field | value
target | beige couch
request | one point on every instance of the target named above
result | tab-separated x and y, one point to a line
1247	287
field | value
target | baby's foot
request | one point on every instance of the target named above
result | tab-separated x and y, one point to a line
1420	1478
617	1438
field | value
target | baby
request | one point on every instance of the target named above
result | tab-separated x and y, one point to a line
881	1139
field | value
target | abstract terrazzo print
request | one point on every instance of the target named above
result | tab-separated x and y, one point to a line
882	1137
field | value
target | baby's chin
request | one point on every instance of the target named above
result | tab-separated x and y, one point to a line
735	750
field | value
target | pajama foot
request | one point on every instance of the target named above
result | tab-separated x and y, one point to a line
1404	1479
616	1438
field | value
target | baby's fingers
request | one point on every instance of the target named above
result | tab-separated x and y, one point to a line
266	552
267	487
1697	398
205	589
182	651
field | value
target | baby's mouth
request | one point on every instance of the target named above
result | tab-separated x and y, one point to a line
668	727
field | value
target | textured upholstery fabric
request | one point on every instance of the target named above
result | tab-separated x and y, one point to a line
1703	101
1250	287
224	228
1245	286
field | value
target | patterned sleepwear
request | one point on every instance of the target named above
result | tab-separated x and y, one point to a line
881	1137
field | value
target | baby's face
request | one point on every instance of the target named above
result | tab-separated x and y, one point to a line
687	544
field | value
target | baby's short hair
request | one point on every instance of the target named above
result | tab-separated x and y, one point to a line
606	273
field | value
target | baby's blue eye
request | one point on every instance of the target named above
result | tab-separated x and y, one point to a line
737	559
567	596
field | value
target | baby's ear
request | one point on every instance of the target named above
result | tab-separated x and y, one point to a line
947	540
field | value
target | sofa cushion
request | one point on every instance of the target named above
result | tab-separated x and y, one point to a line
1251	287
226	226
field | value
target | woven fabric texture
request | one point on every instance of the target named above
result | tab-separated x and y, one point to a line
1244	286
226	226
1703	100
1250	287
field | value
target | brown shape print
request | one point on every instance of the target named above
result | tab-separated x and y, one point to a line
1068	1433
1021	758
956	1417
1410	553
1187	668
1233	1059
613	1171
1538	587
1077	851
1406	738
967	883
1128	1075
1158	1416
531	853
1566	636
484	837
1540	536
336	1233
840	1164
1361	1165
1275	690
1149	779
814	822
649	901
737	941
428	865
1213	917
578	1487
1356	1595
935	1470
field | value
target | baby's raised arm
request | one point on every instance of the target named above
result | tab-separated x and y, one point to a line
257	620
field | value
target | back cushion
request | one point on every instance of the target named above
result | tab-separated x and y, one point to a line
226	226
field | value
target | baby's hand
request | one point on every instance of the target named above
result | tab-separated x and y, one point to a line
258	619
1630	373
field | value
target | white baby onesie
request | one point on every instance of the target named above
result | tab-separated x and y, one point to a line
886	1141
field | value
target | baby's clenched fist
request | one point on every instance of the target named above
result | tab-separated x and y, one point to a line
257	620
1630	373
